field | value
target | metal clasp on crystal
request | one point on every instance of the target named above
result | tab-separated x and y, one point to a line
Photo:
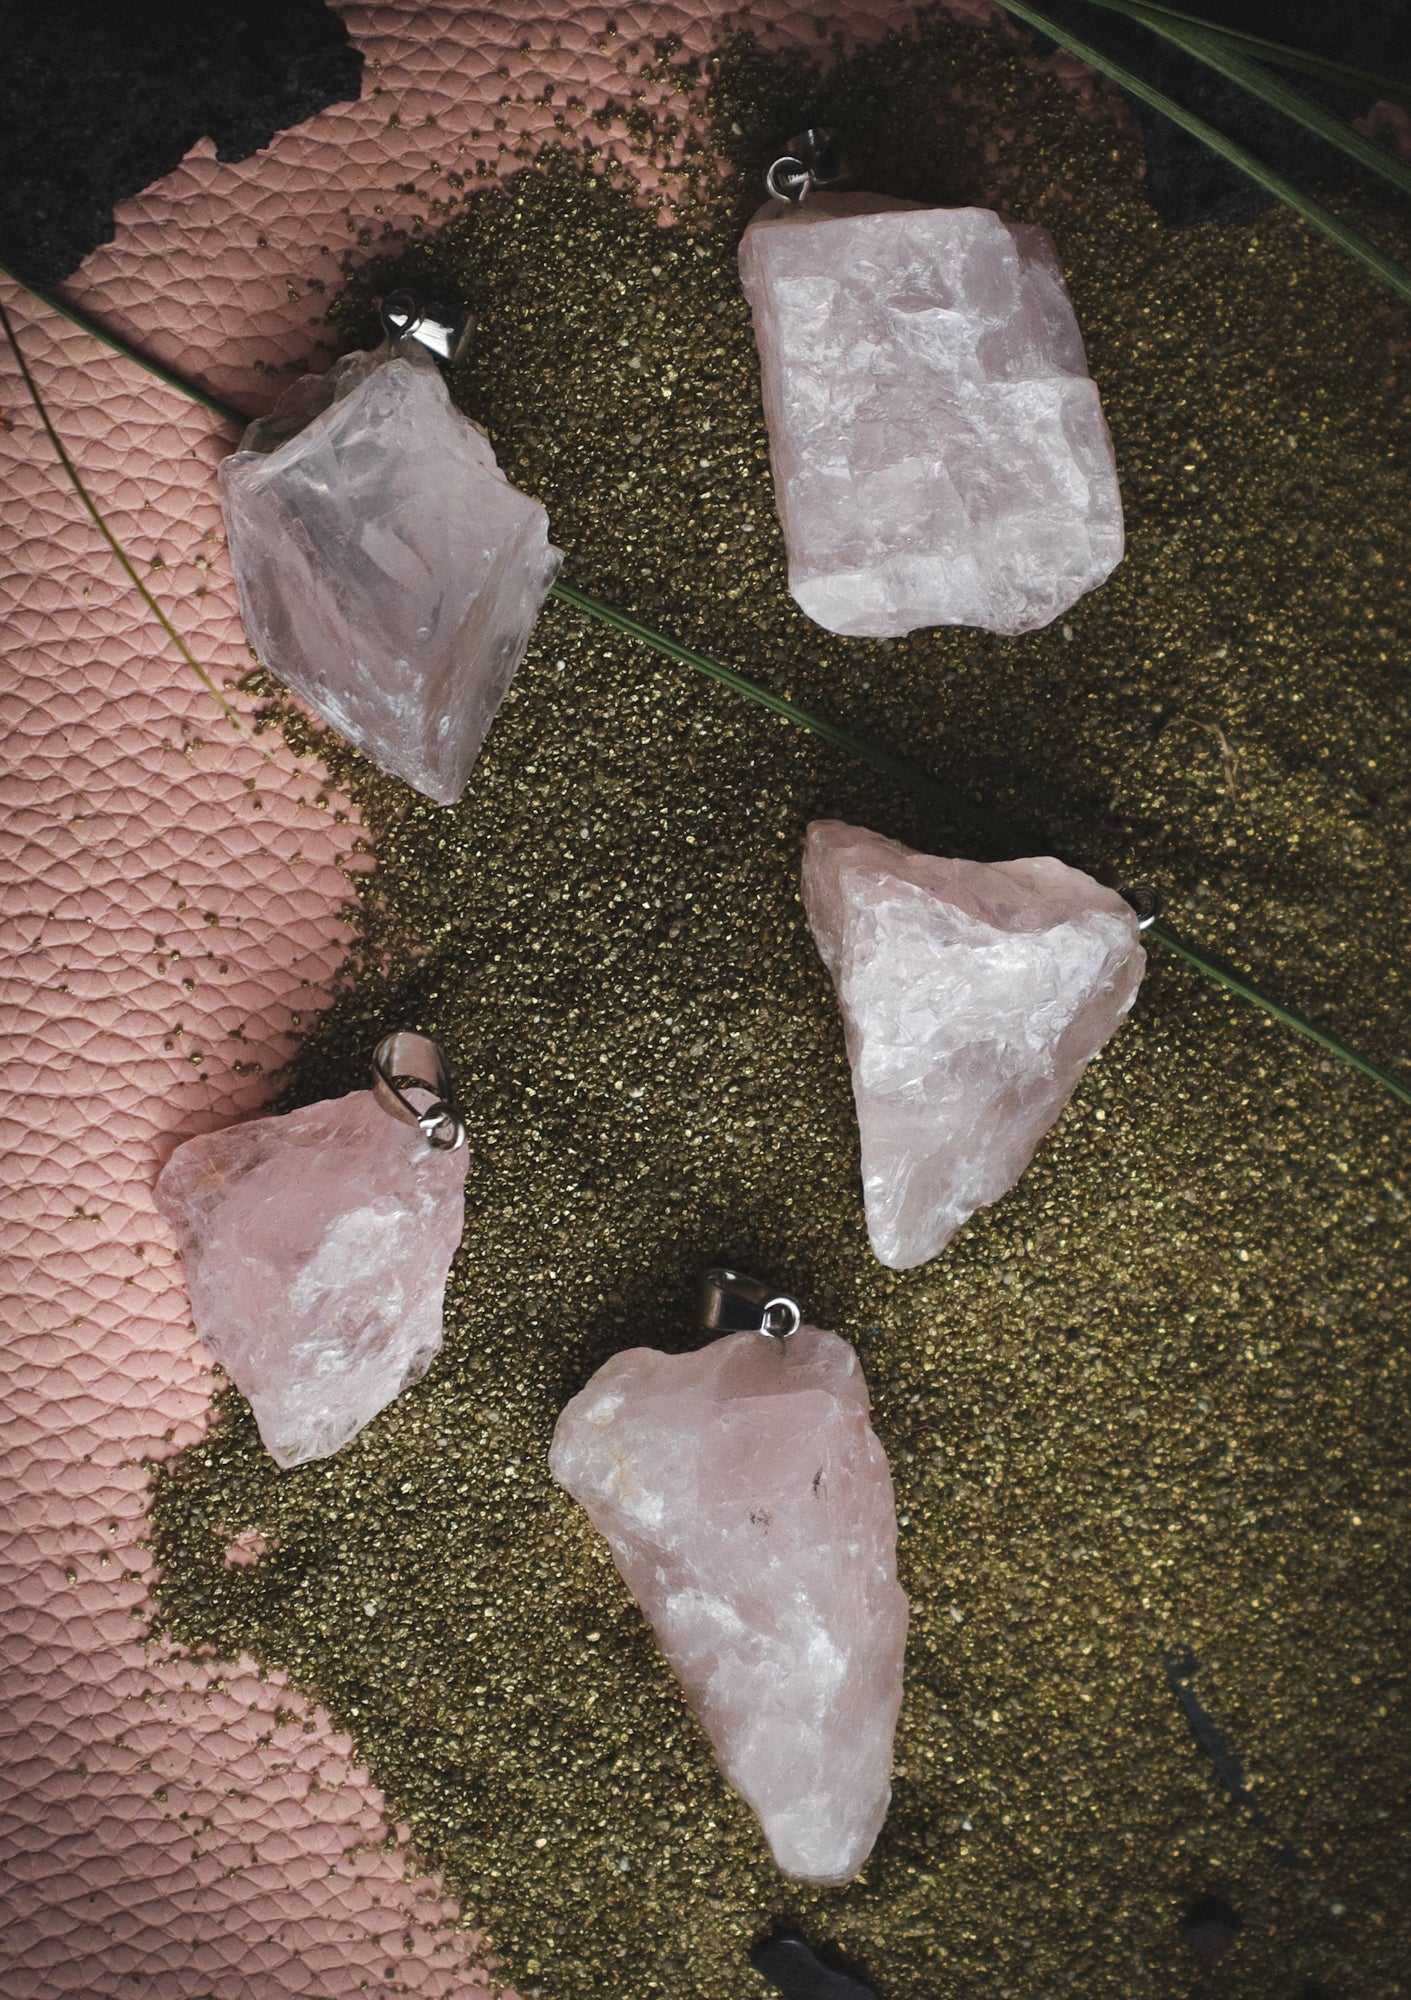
1144	903
731	1302
408	1061
437	328
812	161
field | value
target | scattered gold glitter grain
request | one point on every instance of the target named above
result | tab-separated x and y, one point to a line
1156	1398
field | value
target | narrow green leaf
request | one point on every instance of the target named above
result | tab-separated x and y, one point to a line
1391	273
90	504
955	806
1259	82
1233	982
1393	89
97	331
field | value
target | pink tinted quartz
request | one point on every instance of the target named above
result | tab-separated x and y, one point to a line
940	453
387	570
974	995
316	1248
749	1508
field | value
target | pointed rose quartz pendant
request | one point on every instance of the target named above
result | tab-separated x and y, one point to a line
940	453
316	1248
387	570
974	995
749	1508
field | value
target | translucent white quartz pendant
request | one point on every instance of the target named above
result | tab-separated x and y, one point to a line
940	453
387	570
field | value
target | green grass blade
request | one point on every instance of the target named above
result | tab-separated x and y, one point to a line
956	807
1376	261
1259	82
91	506
96	331
953	804
1393	89
1233	982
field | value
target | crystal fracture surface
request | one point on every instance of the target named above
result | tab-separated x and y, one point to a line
316	1248
387	570
749	1508
974	995
940	453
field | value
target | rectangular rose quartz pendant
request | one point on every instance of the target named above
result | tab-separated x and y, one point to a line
940	453
387	570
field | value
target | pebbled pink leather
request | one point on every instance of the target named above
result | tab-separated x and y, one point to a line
170	903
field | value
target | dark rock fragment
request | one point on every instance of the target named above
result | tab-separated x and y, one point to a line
1210	1927
796	1969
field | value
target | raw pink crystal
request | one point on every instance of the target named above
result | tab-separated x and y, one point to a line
387	570
940	453
974	995
316	1248
749	1508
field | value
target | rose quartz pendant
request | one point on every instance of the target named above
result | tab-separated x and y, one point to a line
316	1248
974	995
749	1508
939	449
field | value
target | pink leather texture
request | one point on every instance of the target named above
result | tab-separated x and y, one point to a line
172	906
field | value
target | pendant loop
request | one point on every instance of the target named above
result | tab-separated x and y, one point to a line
439	330
1145	904
408	1057
811	161
731	1302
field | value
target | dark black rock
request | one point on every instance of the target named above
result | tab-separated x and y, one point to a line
99	98
796	1969
1187	183
1210	1927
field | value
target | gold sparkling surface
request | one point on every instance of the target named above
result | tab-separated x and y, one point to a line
1157	1397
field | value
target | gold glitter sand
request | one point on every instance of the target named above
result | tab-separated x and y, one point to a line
1157	1397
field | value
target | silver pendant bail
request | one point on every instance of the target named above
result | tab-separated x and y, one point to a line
440	330
812	160
408	1060
1144	903
731	1302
